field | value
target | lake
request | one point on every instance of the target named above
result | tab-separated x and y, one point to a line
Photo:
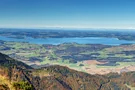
80	40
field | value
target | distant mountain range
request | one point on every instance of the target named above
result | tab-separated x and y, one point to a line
15	75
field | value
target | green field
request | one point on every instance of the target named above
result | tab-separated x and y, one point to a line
55	54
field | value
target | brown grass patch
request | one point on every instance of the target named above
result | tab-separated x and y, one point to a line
94	62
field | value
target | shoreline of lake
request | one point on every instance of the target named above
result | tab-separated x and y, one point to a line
79	40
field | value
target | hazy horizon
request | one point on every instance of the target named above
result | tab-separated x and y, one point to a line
71	14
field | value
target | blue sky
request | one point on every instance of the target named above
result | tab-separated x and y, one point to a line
67	13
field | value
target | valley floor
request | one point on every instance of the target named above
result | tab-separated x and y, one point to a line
90	58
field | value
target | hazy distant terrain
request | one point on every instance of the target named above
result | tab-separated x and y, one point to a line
48	33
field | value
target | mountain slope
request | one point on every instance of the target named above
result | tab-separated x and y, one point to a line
15	75
12	74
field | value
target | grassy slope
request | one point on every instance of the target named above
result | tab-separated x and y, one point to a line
5	81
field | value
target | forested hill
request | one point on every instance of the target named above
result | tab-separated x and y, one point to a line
15	75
